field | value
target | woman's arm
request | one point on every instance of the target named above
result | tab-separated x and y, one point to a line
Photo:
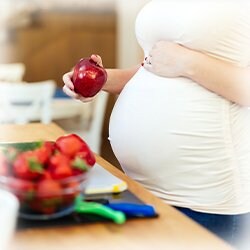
117	79
225	79
230	81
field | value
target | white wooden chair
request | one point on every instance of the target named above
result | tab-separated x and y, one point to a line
12	72
88	122
21	103
93	133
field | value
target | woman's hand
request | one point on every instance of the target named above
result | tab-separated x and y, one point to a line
68	87
219	76
168	59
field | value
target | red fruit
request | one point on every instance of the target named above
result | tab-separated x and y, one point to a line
48	188
44	152
83	160
86	154
90	159
79	165
62	172
70	144
46	175
73	189
59	166
88	77
23	189
27	166
48	196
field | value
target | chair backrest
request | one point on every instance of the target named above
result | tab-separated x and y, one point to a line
93	135
12	72
91	121
21	103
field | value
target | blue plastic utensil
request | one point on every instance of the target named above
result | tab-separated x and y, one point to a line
135	210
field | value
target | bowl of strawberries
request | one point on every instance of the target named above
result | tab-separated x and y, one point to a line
46	176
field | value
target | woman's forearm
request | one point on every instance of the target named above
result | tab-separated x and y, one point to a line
170	59
117	79
223	78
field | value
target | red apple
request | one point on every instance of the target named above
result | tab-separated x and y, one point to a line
88	77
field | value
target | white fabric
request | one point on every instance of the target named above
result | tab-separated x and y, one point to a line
187	145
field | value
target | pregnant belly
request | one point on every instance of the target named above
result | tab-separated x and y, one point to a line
164	123
186	144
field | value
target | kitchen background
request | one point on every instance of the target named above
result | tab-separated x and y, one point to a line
49	37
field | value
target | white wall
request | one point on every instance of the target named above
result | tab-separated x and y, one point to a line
129	52
13	14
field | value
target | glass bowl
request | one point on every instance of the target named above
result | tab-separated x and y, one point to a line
39	204
46	177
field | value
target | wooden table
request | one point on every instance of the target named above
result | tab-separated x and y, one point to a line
171	230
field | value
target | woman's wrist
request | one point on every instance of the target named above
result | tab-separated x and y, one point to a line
117	79
191	61
109	85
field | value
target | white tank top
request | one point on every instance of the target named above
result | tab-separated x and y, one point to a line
186	144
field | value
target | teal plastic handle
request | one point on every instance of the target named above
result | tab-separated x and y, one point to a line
99	209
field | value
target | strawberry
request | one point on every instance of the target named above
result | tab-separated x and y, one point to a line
46	175
73	189
23	189
90	158
44	152
61	172
48	196
27	166
79	163
59	166
86	156
70	144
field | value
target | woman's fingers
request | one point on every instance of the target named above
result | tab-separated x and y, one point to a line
74	95
70	92
68	88
67	79
97	59
147	64
85	99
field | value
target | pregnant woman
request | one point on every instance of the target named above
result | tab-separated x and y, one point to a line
181	126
